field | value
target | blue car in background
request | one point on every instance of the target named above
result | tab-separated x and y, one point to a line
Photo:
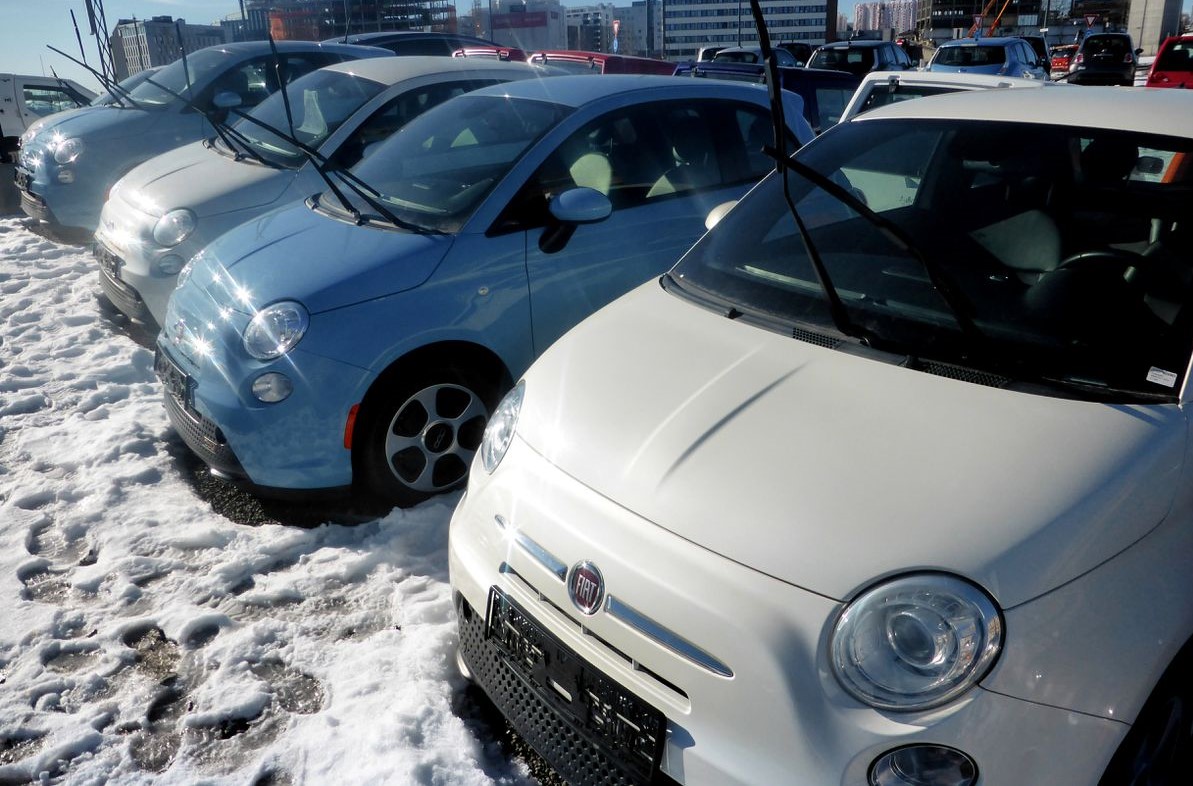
363	337
68	163
999	56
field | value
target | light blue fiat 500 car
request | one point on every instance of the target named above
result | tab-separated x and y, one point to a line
362	337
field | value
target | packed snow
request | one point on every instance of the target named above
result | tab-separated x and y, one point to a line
145	638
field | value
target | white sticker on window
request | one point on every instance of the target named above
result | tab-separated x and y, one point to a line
1161	377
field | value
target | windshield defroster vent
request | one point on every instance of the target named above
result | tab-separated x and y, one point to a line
819	339
961	373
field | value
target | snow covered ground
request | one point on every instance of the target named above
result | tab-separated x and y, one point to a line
144	638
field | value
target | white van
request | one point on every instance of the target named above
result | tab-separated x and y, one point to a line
26	99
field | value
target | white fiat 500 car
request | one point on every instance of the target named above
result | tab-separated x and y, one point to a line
899	493
167	209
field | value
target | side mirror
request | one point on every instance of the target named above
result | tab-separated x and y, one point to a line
225	99
717	213
1149	165
1139	51
569	210
580	206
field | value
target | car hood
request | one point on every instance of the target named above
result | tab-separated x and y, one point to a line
295	253
197	177
829	470
105	122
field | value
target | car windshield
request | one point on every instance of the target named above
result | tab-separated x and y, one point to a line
970	55
895	92
1070	255
434	171
199	67
319	103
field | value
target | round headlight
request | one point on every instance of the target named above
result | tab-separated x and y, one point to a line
67	150
916	642
173	228
499	432
275	329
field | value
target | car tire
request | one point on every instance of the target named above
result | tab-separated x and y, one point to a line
1158	750
417	432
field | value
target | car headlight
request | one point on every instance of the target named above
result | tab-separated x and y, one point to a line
275	329
916	642
173	228
499	432
67	150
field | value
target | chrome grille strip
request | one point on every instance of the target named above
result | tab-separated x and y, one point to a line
539	553
672	641
620	611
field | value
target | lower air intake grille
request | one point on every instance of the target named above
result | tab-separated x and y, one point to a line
577	760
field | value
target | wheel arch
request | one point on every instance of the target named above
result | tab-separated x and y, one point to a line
469	354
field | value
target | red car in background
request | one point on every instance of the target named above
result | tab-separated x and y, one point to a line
580	62
1173	66
1062	58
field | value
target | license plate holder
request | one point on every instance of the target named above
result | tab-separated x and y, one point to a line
174	380
627	729
108	262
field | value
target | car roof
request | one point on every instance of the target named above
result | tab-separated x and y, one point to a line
263	47
865	43
388	70
949	78
992	41
390	36
578	90
1145	110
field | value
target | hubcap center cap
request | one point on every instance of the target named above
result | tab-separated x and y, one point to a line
438	437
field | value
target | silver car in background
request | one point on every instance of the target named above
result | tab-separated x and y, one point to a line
171	206
68	163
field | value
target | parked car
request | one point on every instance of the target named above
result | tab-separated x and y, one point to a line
861	57
707	53
881	88
25	99
802	51
365	338
1039	45
66	167
825	93
998	56
1062	59
167	209
730	529
753	55
409	43
580	62
1105	59
1173	66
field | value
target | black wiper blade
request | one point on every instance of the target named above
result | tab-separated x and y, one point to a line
374	198
957	303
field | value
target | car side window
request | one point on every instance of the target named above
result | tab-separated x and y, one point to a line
641	154
43	100
399	111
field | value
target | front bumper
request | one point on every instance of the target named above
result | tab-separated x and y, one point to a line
780	717
295	446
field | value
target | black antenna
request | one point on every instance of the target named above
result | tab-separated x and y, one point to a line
347	23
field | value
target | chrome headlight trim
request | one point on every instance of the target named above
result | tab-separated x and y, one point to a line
916	642
499	431
276	329
174	227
